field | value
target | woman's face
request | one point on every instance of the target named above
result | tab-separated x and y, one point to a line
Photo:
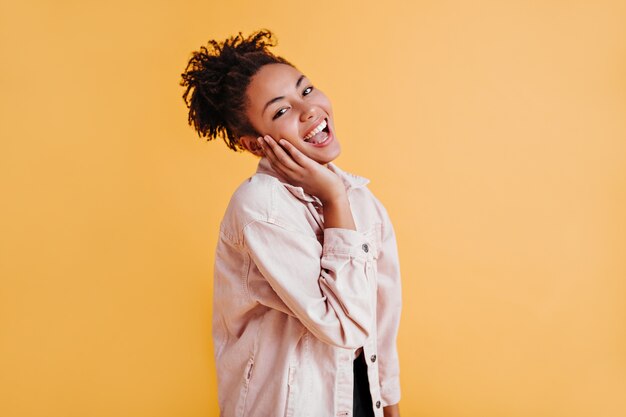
283	103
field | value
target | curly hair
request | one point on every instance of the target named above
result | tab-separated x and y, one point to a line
217	77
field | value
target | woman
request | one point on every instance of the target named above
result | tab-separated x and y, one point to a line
307	293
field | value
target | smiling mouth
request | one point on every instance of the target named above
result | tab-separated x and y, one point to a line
319	134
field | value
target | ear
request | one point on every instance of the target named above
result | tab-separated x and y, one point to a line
251	144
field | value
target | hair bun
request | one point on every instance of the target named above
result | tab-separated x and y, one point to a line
216	78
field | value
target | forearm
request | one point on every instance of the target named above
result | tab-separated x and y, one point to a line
337	213
392	410
328	299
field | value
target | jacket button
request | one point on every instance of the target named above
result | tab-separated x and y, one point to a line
377	404
373	358
365	247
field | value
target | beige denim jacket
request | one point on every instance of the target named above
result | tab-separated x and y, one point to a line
294	301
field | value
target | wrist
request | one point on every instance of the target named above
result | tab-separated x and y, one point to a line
337	212
340	196
391	411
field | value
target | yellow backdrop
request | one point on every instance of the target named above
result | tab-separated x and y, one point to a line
494	132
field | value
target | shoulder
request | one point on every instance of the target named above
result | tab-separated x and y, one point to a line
363	199
365	194
369	206
252	200
254	197
379	206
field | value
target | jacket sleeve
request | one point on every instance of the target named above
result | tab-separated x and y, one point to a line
389	306
325	286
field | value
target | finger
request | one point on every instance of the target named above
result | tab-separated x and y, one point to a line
271	156
267	150
295	153
281	155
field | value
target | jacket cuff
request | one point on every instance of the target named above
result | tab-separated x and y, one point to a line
390	391
345	242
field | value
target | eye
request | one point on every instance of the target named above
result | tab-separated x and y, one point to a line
279	113
307	91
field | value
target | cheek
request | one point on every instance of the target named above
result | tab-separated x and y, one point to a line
287	128
257	123
267	126
323	101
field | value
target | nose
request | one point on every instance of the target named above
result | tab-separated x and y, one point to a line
308	113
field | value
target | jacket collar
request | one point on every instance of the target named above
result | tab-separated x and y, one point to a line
349	180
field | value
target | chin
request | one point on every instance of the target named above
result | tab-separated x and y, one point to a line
330	158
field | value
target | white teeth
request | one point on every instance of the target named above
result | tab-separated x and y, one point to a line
315	131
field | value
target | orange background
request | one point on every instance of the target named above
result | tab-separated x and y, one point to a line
494	132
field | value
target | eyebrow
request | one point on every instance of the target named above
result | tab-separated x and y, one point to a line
275	99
